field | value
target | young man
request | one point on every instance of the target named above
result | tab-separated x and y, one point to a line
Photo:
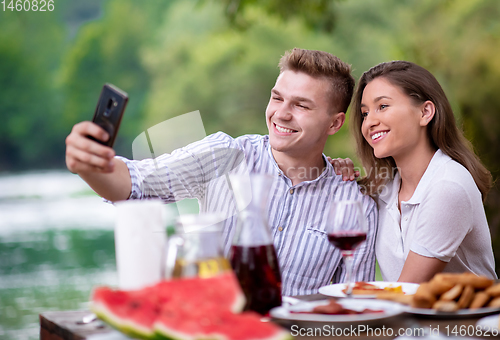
307	104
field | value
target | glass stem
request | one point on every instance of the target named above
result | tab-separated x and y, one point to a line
348	268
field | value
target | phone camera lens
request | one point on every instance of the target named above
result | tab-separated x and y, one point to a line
111	103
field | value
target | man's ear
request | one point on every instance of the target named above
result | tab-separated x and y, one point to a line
338	120
428	110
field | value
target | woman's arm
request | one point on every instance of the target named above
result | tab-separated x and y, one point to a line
418	268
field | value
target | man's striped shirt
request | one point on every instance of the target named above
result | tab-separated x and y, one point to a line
296	214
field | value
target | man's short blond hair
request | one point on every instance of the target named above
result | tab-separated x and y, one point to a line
319	64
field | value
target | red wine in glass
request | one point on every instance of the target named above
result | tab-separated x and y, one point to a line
347	228
258	273
347	241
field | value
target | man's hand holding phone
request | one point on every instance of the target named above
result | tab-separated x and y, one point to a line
89	151
89	145
84	155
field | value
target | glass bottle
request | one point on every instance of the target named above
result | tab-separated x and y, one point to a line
252	255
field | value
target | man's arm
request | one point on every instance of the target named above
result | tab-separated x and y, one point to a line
95	163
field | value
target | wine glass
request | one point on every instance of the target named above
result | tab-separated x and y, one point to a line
346	230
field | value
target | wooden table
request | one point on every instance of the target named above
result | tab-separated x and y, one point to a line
66	325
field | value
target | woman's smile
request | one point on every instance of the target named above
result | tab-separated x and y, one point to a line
378	135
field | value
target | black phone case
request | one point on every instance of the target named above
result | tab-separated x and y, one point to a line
109	111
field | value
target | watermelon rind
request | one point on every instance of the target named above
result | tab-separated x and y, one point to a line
163	332
107	316
121	316
125	326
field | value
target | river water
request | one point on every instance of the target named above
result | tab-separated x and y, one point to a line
56	243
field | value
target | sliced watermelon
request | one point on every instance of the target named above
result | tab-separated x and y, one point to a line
222	325
184	309
103	298
247	326
135	312
223	289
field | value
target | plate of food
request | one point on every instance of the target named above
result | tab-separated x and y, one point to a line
453	295
335	312
365	290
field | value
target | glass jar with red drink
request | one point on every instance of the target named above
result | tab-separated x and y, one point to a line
252	256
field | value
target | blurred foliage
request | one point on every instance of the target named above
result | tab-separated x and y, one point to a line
109	51
220	57
28	102
316	14
197	62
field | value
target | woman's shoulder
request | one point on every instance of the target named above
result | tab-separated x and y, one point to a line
454	181
453	172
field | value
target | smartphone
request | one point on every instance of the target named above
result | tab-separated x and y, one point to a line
109	112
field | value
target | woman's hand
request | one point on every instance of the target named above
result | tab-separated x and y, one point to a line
344	167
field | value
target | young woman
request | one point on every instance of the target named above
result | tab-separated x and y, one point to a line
428	184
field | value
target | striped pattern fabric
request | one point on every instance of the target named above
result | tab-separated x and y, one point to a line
296	214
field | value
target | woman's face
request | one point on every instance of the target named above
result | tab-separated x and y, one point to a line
392	122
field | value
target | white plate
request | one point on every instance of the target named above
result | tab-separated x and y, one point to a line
489	324
461	313
390	309
336	289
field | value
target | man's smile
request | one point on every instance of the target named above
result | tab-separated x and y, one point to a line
283	129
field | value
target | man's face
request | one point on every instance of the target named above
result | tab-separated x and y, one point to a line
298	115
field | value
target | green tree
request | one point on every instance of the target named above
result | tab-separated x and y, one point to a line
198	62
28	108
316	14
108	50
